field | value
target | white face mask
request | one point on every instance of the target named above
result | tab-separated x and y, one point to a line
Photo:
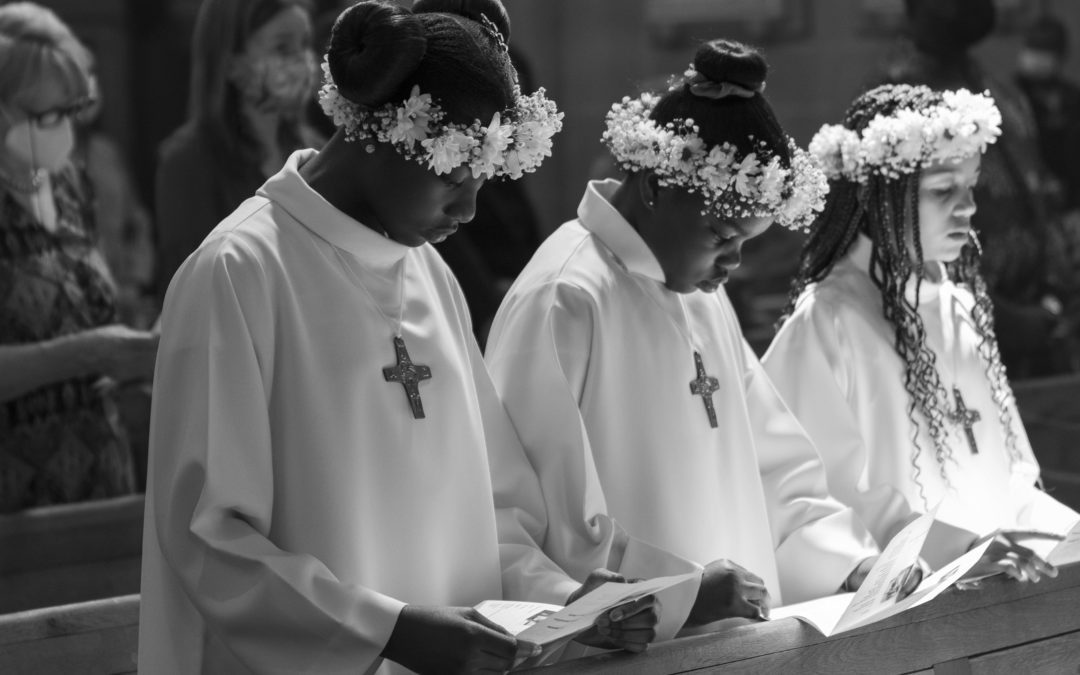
1037	64
40	147
276	83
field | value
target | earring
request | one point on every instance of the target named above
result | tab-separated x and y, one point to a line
369	148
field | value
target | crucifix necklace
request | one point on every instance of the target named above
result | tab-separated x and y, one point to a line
404	371
960	414
965	417
703	384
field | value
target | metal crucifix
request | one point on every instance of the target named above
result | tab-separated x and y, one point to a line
409	375
705	385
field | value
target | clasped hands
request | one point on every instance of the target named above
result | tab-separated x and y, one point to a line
462	640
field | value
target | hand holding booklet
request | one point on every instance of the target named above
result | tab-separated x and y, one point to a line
552	626
878	597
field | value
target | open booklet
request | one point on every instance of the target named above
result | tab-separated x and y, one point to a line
552	626
1068	550
878	597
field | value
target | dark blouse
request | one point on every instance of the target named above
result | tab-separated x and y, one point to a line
62	442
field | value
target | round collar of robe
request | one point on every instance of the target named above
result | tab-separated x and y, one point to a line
288	190
598	216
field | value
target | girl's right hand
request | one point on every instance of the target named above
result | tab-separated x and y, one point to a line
450	640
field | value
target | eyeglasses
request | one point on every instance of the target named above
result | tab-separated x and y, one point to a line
53	116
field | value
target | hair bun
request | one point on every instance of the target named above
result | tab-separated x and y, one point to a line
730	61
470	9
375	46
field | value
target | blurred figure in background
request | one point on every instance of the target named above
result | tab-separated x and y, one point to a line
61	346
1028	275
123	222
1054	100
252	73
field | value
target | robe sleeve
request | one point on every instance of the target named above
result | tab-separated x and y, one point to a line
808	363
527	572
211	484
538	355
818	540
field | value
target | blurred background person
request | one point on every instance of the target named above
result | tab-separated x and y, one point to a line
1054	101
61	439
1018	222
253	72
125	231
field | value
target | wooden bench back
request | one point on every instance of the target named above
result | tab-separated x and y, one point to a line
100	637
57	555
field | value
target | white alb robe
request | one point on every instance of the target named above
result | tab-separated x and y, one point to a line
835	364
294	505
588	357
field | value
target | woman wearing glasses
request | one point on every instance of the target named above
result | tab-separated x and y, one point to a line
61	349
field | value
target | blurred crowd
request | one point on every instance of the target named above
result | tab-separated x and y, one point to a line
85	260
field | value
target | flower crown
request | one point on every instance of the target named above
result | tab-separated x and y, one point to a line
962	125
514	143
756	184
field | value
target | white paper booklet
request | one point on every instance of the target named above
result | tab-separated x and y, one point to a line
876	599
552	626
1067	551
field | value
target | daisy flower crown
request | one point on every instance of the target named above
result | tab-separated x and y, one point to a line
908	140
734	186
514	143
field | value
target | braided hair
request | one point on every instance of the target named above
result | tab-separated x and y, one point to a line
886	210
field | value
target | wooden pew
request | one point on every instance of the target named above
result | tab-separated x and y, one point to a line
68	553
99	637
1006	627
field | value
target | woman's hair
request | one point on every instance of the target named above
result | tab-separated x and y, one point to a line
36	46
743	122
886	210
453	50
222	29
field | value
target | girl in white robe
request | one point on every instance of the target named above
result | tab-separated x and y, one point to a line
656	435
887	352
324	431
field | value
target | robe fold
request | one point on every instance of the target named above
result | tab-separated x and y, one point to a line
294	505
593	356
834	363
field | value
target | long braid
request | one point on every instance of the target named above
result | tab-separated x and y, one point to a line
826	244
965	271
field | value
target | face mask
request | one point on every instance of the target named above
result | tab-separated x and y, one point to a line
276	83
39	147
1037	65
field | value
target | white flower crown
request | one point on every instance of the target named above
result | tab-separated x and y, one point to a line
962	125
753	185
514	143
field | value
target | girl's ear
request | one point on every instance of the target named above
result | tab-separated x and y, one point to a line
649	189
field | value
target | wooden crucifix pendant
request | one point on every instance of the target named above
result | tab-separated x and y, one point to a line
965	417
409	375
705	385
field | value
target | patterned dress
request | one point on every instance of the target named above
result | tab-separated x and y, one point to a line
62	442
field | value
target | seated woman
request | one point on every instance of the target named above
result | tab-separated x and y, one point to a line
60	435
886	352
